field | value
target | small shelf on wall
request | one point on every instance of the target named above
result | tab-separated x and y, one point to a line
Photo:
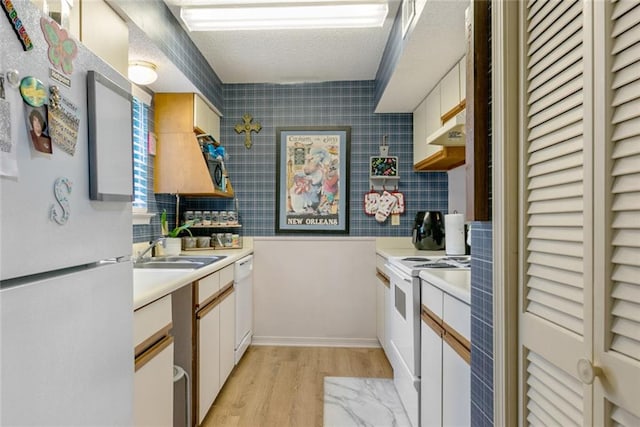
218	226
383	171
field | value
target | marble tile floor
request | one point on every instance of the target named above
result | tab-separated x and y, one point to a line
362	402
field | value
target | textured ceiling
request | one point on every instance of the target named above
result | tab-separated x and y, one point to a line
292	56
434	45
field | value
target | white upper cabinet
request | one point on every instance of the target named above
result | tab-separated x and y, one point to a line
204	118
450	90
433	111
462	65
426	119
446	97
97	19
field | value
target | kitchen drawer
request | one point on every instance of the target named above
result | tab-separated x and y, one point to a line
380	261
432	298
151	323
226	276
207	287
457	314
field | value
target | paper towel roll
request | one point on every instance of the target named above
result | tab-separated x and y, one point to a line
454	234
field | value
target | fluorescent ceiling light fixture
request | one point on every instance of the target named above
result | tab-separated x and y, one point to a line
142	72
227	16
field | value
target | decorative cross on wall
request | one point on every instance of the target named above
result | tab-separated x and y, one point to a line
247	127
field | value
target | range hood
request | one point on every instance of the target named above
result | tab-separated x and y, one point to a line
452	133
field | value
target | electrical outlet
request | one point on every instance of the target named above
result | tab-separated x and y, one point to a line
395	219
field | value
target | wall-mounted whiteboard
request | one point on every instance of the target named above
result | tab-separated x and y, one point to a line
109	109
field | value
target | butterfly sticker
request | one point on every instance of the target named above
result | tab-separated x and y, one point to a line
62	50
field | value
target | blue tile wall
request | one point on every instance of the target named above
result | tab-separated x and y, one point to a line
253	171
481	324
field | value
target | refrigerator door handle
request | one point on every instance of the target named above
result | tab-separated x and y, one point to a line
114	260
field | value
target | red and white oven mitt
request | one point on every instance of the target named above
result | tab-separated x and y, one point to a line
386	204
399	207
371	200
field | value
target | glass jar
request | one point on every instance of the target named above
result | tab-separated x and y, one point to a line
232	217
224	217
189	242
197	217
215	217
188	216
206	217
203	241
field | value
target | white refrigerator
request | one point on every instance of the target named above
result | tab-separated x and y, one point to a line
66	281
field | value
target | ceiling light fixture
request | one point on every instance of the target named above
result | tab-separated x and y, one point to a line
227	16
142	72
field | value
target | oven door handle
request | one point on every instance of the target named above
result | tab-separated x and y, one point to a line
391	270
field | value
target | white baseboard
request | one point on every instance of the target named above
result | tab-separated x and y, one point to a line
315	342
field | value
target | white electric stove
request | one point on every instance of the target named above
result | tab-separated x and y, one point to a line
404	339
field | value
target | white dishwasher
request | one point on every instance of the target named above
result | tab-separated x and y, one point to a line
243	284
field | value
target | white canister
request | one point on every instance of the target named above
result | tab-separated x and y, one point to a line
454	234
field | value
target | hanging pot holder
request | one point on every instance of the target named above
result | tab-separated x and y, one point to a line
386	205
399	207
371	200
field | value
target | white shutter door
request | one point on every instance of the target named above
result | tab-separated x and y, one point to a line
556	210
617	270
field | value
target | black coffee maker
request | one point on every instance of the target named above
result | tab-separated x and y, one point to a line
428	231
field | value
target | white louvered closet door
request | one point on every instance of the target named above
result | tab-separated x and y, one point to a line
617	213
557	237
580	157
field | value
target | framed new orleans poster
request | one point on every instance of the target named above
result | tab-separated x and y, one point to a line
312	181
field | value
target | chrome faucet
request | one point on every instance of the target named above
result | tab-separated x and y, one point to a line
159	240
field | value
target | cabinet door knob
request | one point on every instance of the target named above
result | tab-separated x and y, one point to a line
587	372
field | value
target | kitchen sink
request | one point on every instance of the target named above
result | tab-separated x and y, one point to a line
178	262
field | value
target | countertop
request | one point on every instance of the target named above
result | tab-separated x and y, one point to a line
388	247
151	284
454	282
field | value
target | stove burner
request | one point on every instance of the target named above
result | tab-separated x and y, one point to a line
416	259
434	265
456	258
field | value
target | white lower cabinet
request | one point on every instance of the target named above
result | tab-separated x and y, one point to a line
153	389
383	305
456	389
215	337
208	330
445	386
153	379
227	336
456	359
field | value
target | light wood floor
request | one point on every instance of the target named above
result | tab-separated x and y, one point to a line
283	386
